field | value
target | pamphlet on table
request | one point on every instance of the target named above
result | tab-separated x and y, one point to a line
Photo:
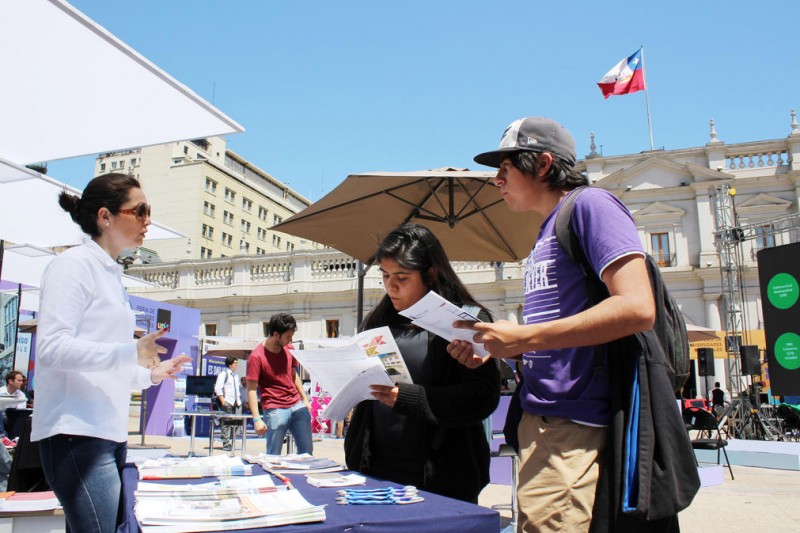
294	463
193	467
28	502
346	368
175	513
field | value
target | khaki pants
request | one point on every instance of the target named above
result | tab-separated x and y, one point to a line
558	474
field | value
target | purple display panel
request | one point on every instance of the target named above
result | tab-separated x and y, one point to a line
184	324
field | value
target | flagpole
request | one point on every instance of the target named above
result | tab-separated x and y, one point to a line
647	100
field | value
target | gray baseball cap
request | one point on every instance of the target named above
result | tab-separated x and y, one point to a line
532	134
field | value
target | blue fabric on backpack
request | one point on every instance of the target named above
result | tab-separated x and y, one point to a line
630	480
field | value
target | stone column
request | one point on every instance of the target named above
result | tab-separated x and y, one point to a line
713	319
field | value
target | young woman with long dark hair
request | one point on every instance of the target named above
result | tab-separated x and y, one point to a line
429	433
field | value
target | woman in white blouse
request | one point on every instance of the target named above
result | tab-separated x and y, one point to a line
87	361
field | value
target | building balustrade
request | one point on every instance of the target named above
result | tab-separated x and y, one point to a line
757	155
213	276
745	161
327	269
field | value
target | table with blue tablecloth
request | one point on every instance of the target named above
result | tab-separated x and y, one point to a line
436	514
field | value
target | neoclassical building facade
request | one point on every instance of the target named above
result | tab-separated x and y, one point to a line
673	195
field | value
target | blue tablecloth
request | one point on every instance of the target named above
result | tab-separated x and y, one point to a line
436	514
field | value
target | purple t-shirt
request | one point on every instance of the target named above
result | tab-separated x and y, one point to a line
564	382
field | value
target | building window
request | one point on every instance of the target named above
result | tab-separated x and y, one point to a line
211	185
186	150
332	328
289	246
244	247
276	241
227	239
247	205
102	167
208	209
262	213
262	234
260	251
276	219
659	244
265	328
113	165
211	330
227	218
208	231
245	227
765	236
230	196
133	161
205	253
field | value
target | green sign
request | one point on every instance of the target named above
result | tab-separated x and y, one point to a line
783	290
787	351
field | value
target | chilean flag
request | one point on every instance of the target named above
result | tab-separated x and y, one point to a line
626	77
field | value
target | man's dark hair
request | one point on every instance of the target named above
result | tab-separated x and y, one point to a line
561	177
281	323
229	360
11	376
716	384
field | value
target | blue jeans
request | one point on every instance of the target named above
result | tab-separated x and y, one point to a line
85	474
297	420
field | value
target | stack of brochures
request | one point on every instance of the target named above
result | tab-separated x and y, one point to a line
295	463
193	467
231	504
28	502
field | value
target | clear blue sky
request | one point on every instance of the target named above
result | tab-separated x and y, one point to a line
326	89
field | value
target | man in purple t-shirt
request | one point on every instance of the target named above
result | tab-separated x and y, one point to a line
565	396
284	403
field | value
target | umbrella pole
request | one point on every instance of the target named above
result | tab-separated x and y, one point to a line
360	294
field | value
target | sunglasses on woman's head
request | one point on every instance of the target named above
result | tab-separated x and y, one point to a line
140	211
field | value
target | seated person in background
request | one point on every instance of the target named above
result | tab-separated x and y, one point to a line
717	399
13	387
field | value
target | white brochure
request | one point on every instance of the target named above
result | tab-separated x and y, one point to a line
434	313
348	367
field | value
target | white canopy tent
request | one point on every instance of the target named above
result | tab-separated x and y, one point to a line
30	214
43	119
57	103
25	264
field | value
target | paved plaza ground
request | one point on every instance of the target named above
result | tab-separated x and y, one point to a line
759	500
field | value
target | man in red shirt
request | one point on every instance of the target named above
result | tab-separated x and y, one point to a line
284	402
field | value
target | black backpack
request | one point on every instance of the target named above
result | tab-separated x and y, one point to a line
669	327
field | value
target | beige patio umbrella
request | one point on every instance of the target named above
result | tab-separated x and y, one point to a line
462	208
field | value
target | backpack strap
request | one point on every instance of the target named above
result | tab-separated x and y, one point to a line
569	241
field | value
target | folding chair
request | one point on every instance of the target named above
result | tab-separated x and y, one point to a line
501	449
708	437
